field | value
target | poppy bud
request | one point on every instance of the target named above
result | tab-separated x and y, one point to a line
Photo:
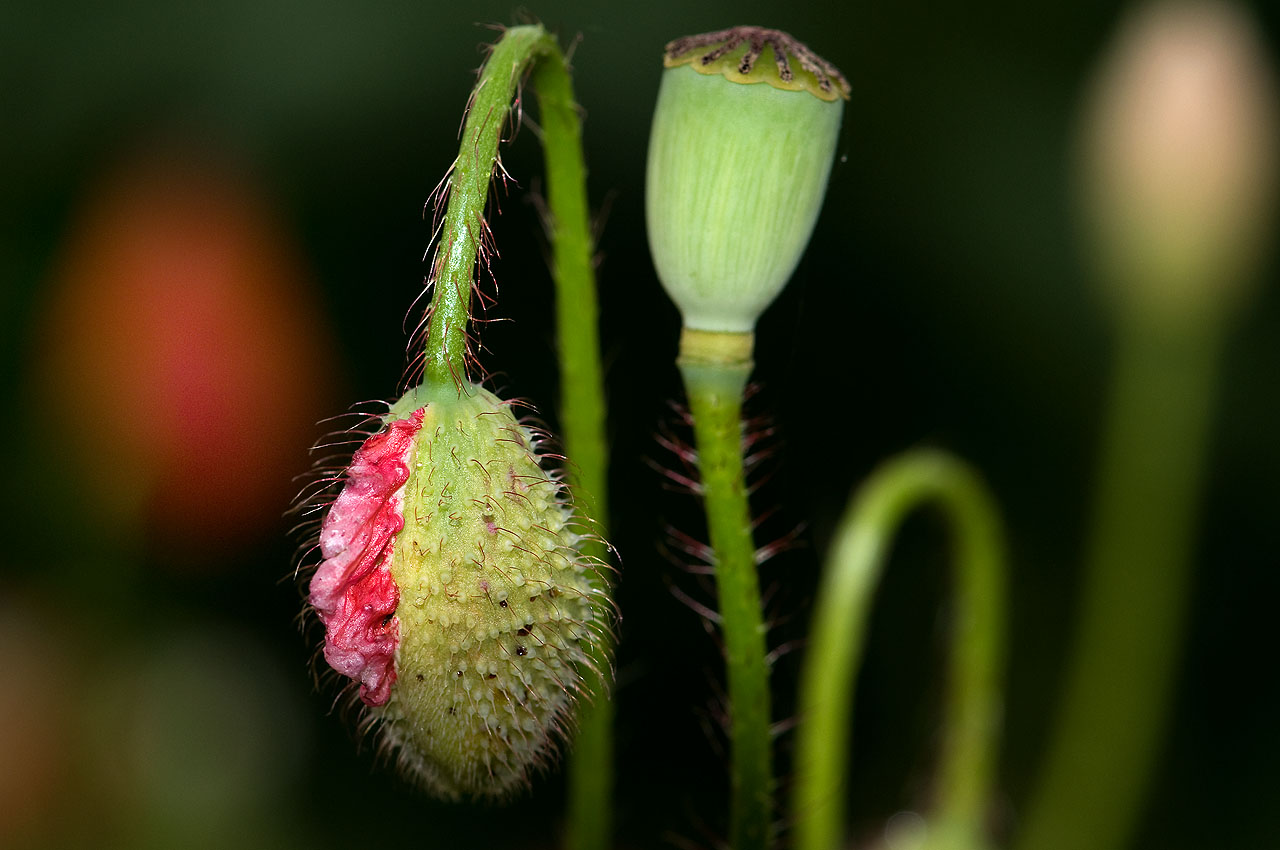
453	589
1179	162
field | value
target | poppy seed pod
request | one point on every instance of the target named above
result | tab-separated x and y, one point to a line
744	133
453	590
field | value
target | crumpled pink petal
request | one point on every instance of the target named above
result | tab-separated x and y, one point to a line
353	590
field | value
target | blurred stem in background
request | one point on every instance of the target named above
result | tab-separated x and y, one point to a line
590	806
973	708
1178	178
1137	571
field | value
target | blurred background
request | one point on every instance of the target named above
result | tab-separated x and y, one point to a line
210	238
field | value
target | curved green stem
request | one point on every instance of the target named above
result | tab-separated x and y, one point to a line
520	50
453	269
1137	569
715	367
973	705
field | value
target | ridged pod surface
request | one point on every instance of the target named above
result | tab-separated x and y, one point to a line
452	588
743	137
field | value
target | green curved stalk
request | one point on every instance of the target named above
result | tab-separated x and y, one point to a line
453	269
973	703
590	806
1137	570
715	367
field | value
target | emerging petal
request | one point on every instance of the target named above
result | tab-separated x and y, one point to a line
353	590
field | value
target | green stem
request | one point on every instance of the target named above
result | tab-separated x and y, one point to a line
973	705
582	414
1137	569
446	353
715	367
454	268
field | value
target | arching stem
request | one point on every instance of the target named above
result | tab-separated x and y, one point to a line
973	704
453	270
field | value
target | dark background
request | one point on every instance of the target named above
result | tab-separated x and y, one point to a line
159	689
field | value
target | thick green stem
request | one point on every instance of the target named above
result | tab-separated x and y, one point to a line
715	369
1137	568
453	272
973	704
582	422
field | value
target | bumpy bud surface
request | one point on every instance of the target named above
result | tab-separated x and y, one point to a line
743	138
453	590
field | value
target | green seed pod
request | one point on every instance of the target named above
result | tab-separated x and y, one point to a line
453	589
743	138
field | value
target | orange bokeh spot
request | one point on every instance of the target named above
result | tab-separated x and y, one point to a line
185	351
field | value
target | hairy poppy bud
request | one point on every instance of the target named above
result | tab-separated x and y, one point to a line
453	589
743	138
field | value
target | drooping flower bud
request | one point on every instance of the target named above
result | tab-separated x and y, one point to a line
743	138
453	589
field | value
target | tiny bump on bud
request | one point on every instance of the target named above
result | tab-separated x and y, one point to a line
737	170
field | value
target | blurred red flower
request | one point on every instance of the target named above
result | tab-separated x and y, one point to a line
183	352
